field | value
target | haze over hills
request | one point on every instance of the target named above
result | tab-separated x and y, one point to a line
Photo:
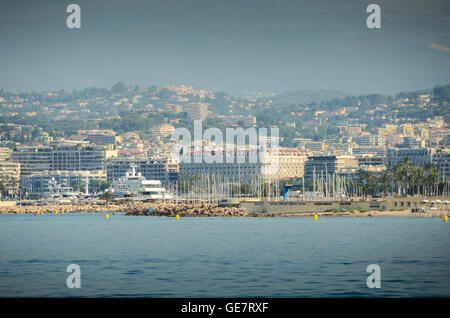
305	113
122	97
307	96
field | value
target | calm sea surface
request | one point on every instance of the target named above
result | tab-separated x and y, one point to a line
128	256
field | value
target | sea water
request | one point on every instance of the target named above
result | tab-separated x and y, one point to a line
131	256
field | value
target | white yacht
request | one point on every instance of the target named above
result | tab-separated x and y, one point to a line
135	186
59	193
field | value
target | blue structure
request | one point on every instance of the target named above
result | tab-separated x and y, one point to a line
286	188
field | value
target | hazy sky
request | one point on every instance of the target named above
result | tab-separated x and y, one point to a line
226	45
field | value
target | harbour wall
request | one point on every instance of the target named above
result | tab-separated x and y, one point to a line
412	204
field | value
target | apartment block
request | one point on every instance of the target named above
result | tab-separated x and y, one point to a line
59	158
418	156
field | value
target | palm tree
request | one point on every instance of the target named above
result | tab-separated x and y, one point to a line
418	179
370	182
404	172
386	179
431	177
397	177
2	188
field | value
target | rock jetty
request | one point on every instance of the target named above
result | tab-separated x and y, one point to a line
60	208
185	209
171	209
158	209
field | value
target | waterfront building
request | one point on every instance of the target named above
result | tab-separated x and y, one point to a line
45	183
346	164
33	159
64	157
291	163
320	165
442	161
418	156
371	162
244	172
78	158
329	165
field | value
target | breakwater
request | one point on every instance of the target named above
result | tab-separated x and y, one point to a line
186	209
244	209
157	208
62	208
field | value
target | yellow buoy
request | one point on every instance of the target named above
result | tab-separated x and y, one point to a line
106	216
177	217
445	218
316	217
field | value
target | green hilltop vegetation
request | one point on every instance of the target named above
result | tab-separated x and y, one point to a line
125	108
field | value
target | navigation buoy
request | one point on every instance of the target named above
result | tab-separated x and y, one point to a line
177	217
445	218
316	217
106	216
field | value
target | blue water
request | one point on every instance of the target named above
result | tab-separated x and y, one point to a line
129	256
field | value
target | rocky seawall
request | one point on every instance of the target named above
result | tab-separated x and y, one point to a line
158	209
171	209
62	208
183	209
